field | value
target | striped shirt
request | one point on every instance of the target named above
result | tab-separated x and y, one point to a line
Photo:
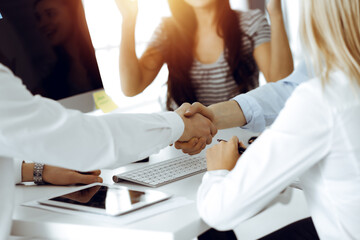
213	82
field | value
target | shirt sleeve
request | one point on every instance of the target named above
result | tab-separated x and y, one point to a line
262	105
256	26
298	139
18	170
37	129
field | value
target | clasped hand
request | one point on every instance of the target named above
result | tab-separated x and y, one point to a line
199	128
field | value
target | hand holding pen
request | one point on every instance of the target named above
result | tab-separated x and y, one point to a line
241	147
223	156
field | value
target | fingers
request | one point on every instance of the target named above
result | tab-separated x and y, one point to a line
95	172
213	130
192	147
187	145
183	108
252	139
234	140
199	108
209	139
79	178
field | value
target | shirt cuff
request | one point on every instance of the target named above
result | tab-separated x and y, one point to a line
176	124
253	113
215	173
18	170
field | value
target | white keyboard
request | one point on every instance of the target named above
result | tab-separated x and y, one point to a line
165	172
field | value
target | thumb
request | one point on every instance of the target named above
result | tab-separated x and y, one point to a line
234	139
191	111
199	108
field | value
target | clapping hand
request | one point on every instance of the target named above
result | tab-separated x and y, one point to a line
274	7
128	8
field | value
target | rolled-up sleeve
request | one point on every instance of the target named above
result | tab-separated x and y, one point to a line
262	105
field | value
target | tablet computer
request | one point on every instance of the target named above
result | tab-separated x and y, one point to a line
107	200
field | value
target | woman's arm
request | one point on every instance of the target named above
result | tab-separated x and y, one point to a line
274	58
135	74
60	176
299	139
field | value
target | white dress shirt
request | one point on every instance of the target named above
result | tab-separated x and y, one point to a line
316	138
41	130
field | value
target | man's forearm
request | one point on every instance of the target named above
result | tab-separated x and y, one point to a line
228	114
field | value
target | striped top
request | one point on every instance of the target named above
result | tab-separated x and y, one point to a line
213	82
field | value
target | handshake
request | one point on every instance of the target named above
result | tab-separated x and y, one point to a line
199	127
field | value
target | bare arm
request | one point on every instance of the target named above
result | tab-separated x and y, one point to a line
227	115
275	59
60	176
135	74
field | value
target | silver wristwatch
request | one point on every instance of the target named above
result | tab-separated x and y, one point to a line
38	173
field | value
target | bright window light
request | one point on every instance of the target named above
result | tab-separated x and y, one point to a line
104	21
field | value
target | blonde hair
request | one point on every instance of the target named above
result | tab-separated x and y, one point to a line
331	33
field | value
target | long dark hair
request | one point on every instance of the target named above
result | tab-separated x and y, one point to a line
179	50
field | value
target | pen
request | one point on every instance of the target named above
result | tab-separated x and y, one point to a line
241	150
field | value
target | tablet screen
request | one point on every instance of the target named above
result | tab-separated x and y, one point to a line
106	199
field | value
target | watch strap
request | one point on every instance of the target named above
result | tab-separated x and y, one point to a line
38	173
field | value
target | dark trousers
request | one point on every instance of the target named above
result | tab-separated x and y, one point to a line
301	230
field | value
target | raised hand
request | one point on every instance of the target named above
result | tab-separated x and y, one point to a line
274	7
128	8
196	125
223	155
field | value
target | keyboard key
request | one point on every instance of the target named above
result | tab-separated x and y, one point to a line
165	172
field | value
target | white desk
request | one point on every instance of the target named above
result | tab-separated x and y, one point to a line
181	223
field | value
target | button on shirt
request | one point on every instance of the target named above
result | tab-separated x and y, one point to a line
316	138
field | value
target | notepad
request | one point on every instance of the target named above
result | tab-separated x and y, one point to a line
104	102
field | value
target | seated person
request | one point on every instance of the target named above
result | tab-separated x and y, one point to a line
314	138
240	44
253	110
39	129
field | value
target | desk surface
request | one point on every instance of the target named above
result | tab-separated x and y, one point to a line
180	223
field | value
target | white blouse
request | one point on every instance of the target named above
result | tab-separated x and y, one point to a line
315	138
